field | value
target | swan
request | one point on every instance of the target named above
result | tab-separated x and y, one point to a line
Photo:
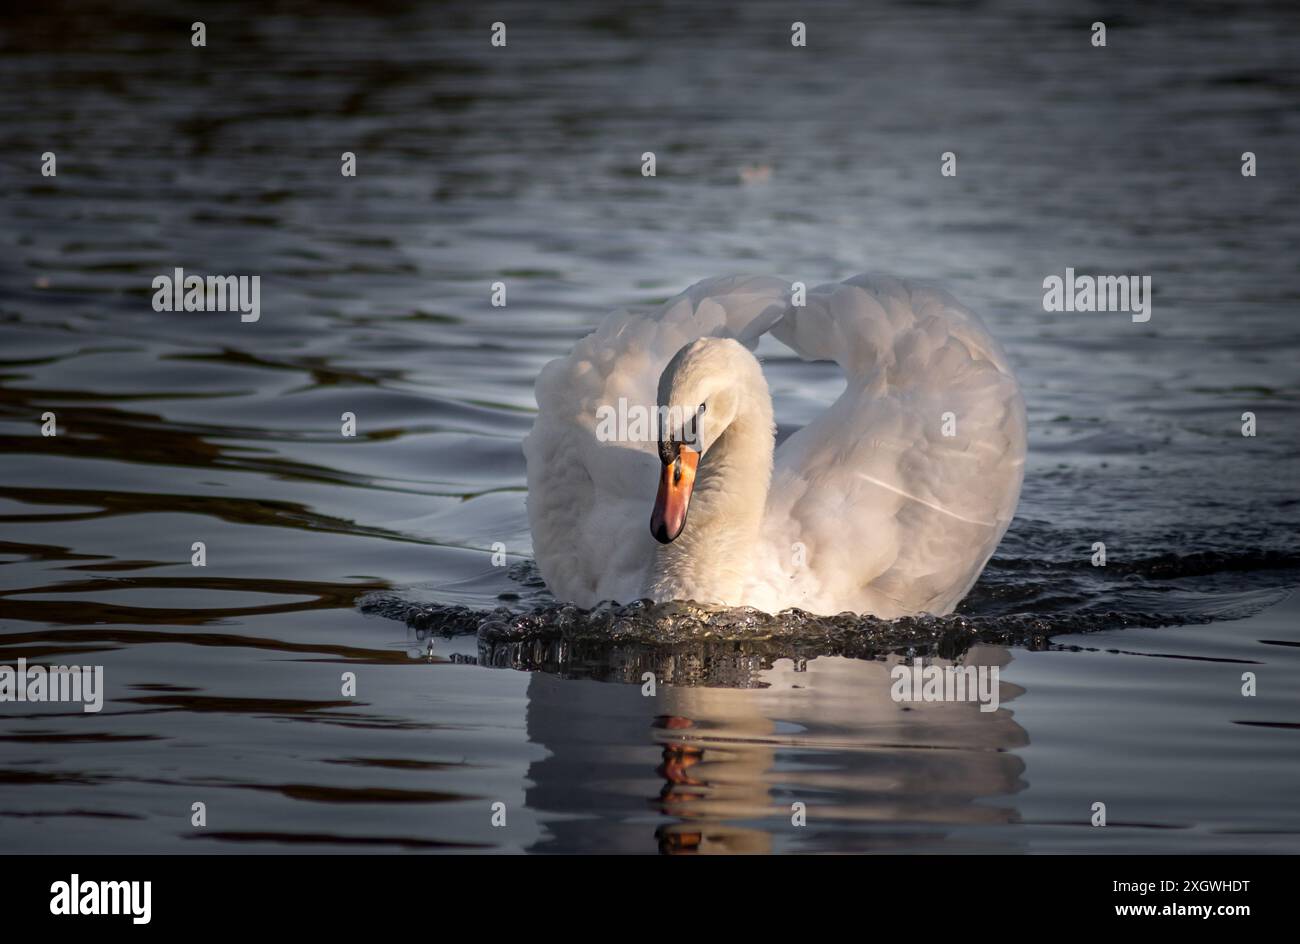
887	504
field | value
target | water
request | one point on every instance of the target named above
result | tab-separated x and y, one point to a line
372	555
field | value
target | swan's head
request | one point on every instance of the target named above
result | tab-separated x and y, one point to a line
699	397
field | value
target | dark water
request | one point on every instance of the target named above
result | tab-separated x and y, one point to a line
1120	684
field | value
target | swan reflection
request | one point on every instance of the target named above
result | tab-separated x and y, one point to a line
722	769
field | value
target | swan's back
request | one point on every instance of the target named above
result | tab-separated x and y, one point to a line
872	509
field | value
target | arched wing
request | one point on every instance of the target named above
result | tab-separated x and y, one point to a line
893	499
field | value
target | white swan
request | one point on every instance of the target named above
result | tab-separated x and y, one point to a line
889	503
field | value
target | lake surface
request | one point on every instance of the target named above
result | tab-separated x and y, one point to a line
372	554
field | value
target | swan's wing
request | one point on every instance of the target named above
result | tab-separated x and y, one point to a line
873	507
589	500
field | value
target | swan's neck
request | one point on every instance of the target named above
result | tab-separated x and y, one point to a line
711	559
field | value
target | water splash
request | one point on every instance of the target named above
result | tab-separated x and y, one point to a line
1017	603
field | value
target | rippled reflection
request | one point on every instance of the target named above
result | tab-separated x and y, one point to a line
725	765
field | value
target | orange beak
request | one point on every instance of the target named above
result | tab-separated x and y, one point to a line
675	484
